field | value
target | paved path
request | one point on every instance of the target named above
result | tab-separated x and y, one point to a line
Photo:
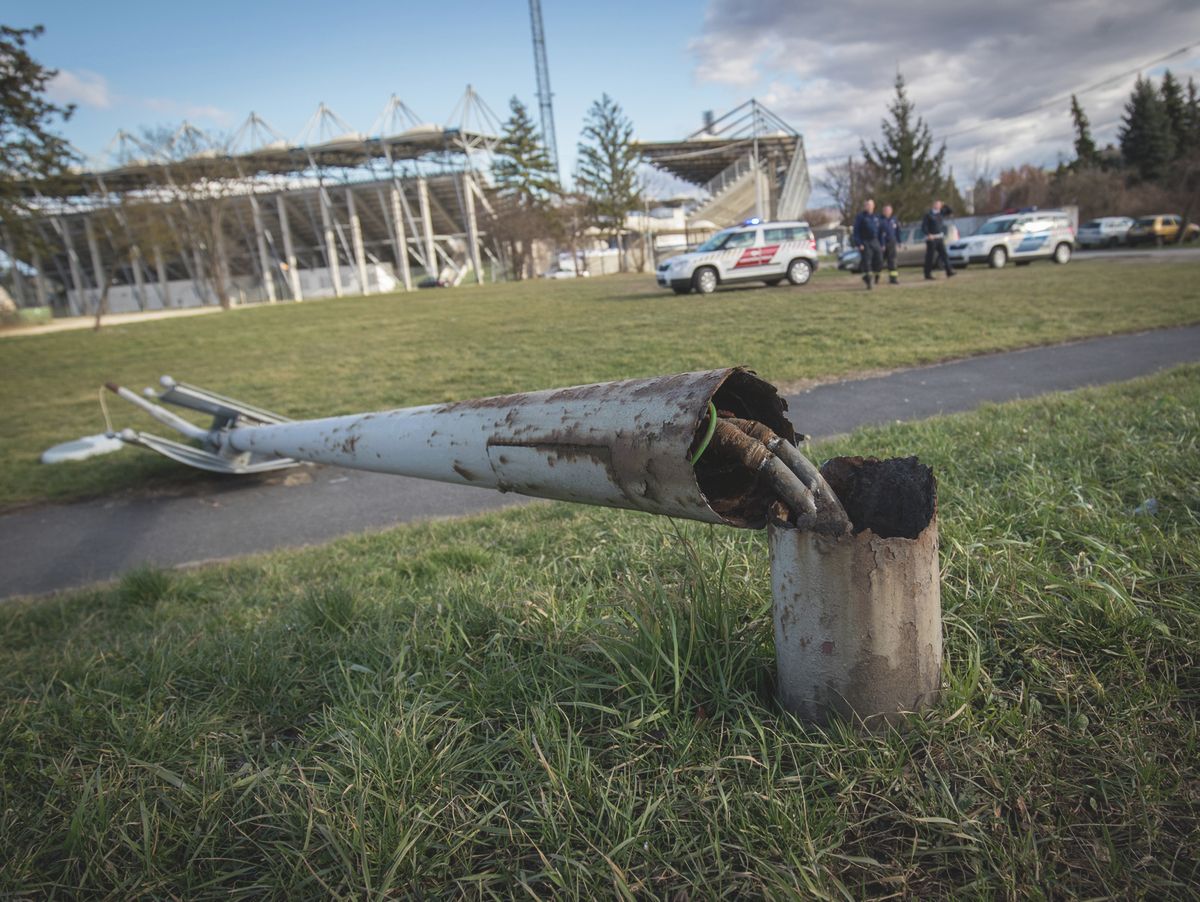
62	546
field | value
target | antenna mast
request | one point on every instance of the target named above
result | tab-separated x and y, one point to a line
545	97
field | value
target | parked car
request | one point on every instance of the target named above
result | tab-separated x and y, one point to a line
1107	231
1019	237
751	252
1159	230
909	252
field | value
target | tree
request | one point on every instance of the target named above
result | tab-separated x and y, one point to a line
29	150
523	169
526	189
1085	146
199	177
607	168
1191	135
908	169
126	228
1145	134
849	184
1175	108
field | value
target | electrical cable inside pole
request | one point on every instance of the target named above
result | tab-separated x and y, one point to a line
792	477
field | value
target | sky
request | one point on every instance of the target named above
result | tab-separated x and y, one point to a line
991	79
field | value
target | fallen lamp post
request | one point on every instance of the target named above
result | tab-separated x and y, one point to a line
853	545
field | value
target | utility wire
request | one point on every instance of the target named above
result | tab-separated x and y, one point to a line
1045	104
1057	100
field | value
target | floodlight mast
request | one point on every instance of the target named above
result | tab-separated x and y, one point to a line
545	96
853	546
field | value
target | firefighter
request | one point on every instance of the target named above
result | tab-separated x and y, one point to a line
935	241
889	233
866	238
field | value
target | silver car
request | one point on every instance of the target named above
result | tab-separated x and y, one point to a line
1107	231
910	251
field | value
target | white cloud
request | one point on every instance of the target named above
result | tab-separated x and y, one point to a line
975	73
207	112
80	87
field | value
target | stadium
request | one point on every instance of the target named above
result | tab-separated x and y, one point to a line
183	219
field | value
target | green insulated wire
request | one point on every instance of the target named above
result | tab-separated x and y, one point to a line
708	434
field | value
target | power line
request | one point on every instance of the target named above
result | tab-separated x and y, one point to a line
1057	100
1045	104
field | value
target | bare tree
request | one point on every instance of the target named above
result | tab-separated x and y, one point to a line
849	184
197	175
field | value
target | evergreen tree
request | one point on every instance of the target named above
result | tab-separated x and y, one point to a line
1085	147
908	169
1192	132
1145	132
523	169
29	150
1175	107
607	167
526	190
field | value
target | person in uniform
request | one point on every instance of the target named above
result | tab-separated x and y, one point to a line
866	239
935	241
889	234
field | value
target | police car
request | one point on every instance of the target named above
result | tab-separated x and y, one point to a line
754	251
1019	237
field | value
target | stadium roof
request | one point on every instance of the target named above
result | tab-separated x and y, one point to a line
190	154
704	154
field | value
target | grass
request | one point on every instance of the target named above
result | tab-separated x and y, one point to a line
567	701
385	351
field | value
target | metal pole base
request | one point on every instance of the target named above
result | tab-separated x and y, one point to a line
858	625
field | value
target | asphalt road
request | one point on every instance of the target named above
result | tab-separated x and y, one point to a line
63	546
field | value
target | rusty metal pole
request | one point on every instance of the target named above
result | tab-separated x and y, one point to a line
853	546
858	619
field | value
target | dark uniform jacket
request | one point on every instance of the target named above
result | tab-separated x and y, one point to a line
866	228
933	226
889	230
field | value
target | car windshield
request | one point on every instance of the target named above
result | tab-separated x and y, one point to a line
996	226
714	243
1094	224
1147	221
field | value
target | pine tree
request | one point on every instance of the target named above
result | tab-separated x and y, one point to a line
29	150
526	190
1175	107
1146	132
607	166
523	169
909	171
1192	133
1085	147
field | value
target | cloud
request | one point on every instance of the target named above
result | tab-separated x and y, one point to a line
189	110
80	87
976	74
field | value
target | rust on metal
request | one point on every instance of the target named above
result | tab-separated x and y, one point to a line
858	629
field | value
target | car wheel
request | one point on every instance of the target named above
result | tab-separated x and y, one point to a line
1062	253
799	271
997	258
683	289
704	280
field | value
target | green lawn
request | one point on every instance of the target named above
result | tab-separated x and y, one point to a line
367	353
566	701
